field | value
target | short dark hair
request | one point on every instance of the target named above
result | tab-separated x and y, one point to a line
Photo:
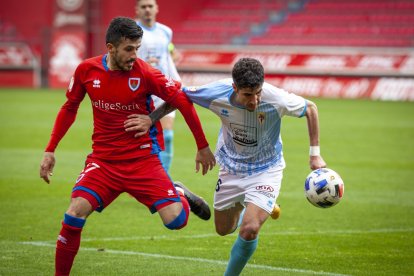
122	28
248	73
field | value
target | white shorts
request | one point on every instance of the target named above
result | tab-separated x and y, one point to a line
158	101
260	189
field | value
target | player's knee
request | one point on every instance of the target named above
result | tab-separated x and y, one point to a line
179	222
225	229
79	208
250	231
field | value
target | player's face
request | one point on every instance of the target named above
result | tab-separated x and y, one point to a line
123	56
147	11
249	98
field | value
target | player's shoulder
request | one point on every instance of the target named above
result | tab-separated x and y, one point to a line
163	27
91	62
271	90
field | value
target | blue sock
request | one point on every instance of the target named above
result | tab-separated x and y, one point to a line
167	154
240	254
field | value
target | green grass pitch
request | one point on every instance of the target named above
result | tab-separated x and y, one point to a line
371	232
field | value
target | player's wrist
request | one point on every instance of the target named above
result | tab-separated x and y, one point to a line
314	151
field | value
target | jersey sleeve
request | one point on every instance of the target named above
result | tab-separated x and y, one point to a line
205	94
286	103
67	113
169	90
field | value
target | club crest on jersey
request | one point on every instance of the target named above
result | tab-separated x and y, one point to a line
261	117
134	83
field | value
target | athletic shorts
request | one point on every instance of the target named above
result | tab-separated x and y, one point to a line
158	101
261	189
145	179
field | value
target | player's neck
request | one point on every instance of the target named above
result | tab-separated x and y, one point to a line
148	24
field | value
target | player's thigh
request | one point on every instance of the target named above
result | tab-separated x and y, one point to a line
263	189
226	220
151	185
167	121
229	191
97	184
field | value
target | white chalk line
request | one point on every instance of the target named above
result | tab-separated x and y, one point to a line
276	233
215	262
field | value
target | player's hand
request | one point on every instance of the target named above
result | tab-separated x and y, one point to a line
316	162
139	123
206	159
47	165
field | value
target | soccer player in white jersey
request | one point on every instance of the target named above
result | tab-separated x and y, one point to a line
155	51
249	150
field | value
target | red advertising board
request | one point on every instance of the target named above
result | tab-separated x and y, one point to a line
311	63
390	89
68	47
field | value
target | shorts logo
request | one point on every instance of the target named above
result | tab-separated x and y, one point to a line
266	188
134	83
170	192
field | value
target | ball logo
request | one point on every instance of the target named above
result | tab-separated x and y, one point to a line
266	188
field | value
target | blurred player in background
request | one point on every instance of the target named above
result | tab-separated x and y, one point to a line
157	49
249	150
119	84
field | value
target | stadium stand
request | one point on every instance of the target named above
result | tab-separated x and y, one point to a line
356	23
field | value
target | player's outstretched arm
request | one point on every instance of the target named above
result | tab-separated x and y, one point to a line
140	123
315	159
206	159
46	166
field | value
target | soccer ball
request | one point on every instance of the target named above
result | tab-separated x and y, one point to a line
324	188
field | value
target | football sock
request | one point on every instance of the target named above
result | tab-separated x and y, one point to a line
167	154
68	243
240	254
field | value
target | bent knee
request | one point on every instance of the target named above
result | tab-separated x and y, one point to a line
250	231
223	231
178	222
79	208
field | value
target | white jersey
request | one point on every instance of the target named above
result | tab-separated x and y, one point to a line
248	142
154	44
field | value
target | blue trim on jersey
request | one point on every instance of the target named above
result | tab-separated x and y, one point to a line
105	65
304	110
156	148
95	195
74	221
153	208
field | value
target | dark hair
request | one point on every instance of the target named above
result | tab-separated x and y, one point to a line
122	28
248	73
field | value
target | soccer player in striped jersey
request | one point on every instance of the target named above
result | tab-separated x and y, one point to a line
249	150
155	50
119	84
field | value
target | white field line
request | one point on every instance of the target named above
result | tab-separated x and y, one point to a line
216	262
276	233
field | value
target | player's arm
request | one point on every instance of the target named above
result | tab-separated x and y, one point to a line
315	159
64	120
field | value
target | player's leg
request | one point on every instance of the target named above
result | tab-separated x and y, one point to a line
226	221
166	156
68	241
91	192
247	240
260	194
